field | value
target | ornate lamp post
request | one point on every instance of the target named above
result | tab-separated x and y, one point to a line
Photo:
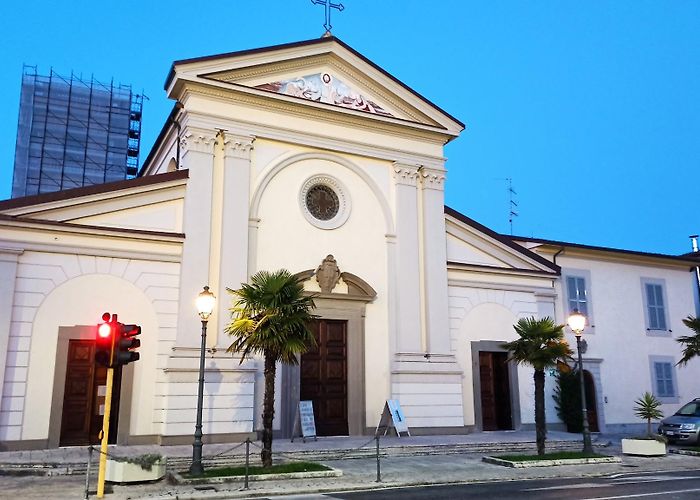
205	306
577	322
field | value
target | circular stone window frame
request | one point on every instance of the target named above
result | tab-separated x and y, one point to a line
340	191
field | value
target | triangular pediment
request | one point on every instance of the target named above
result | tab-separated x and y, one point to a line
153	203
470	244
324	72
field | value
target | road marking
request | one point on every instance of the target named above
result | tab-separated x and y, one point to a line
639	495
570	487
618	481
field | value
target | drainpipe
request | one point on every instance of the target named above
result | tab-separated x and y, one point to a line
694	240
554	259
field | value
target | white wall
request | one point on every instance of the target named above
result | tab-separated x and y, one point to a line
285	239
618	334
53	290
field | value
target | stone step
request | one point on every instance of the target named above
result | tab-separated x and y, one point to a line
238	458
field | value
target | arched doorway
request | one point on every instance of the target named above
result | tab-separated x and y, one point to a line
591	406
332	376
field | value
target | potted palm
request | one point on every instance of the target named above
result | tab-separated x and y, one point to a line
651	445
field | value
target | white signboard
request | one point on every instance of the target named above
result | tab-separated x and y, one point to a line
393	417
304	424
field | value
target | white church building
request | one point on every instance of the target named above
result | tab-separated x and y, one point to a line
309	157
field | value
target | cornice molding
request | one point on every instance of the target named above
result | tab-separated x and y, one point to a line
406	174
319	111
315	141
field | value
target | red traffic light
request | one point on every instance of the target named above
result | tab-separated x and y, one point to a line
104	330
104	341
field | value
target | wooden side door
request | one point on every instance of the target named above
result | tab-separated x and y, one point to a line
496	411
84	397
504	415
488	392
324	377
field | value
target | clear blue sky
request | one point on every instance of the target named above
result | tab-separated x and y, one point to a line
592	108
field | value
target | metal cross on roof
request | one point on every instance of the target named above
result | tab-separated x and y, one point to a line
328	4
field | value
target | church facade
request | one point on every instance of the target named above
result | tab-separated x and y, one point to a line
309	157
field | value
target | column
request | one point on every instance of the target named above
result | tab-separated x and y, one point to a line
234	232
407	279
197	151
435	302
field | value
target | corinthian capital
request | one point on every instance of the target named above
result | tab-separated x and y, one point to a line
432	178
406	174
200	141
238	146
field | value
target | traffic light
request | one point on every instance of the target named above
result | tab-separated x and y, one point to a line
126	343
104	341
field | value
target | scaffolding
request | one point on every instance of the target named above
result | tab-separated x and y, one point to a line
74	132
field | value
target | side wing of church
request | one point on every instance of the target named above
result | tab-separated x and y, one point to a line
308	157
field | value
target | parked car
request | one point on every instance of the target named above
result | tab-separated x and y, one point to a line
684	425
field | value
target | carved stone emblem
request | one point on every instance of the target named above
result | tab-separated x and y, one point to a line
328	274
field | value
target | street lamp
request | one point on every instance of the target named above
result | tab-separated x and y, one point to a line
577	322
205	305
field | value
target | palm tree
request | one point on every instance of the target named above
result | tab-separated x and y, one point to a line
541	345
270	316
691	343
647	408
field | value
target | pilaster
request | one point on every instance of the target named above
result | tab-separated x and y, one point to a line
8	271
197	150
235	213
407	279
435	305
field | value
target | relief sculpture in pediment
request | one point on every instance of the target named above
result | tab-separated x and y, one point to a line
323	87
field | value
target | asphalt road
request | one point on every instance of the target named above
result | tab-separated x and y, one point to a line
666	485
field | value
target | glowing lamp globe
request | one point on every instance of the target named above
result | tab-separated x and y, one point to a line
205	303
577	322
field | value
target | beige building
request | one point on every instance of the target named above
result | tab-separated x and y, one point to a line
308	157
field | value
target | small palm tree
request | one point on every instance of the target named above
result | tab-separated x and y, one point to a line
270	316
691	343
647	408
541	345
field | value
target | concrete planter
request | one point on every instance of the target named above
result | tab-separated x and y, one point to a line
125	472
643	447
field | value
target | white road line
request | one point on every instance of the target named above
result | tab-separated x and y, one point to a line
639	495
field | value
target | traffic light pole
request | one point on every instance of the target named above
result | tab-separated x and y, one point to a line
105	435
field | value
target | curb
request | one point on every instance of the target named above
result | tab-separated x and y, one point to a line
689	453
550	463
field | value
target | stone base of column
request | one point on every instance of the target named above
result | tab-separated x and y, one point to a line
429	388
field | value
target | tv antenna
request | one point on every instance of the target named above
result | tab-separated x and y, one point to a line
512	204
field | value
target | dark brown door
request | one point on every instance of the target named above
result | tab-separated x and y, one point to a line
591	407
324	378
495	391
84	397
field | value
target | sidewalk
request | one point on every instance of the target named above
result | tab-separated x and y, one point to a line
404	462
69	460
